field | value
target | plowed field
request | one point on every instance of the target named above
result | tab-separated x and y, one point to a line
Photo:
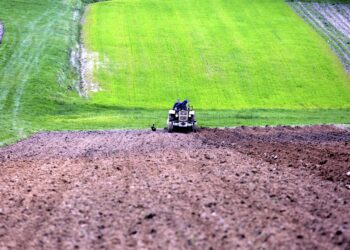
278	188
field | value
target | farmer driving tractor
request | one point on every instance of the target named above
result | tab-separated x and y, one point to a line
180	105
181	116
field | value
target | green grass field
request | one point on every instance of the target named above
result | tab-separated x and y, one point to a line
219	54
34	64
239	62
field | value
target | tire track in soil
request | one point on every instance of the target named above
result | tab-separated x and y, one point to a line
138	189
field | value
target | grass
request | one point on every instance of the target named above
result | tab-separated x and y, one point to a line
239	62
34	63
219	54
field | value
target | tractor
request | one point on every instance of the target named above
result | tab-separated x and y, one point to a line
182	116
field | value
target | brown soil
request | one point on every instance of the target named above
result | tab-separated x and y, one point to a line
217	189
322	150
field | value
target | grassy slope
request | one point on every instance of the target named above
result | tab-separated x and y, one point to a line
220	54
34	72
36	80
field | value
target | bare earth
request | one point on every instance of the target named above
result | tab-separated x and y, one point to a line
274	188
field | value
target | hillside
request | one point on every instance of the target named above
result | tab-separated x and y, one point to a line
240	63
219	54
34	63
85	92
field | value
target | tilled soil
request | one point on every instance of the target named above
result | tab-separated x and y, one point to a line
321	150
273	188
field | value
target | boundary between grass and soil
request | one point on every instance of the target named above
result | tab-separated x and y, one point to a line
164	130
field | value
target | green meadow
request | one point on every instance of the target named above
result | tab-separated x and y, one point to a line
219	54
239	62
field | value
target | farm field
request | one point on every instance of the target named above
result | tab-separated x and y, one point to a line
243	188
85	82
239	63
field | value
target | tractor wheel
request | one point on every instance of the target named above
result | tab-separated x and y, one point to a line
170	127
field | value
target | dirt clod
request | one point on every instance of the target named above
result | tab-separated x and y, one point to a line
150	216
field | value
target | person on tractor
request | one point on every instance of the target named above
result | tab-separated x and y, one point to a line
177	103
180	105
